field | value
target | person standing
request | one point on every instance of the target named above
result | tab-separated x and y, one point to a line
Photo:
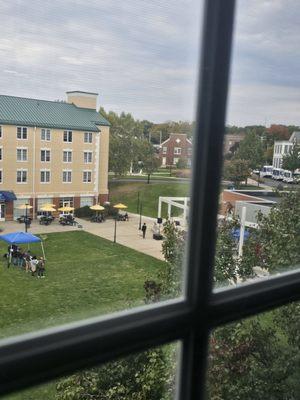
144	228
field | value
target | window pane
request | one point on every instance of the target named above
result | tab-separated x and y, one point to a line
256	193
148	375
257	358
131	144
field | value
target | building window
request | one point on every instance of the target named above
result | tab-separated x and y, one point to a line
86	201
46	135
67	156
189	151
1	176
0	132
88	137
67	176
175	160
45	176
87	157
22	154
1	153
165	150
68	136
177	150
22	133
22	176
87	176
45	156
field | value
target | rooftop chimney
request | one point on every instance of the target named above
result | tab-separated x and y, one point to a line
83	99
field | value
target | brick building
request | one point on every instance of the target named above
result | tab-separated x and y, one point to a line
176	147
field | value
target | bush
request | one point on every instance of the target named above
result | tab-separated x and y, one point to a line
84	212
181	164
182	173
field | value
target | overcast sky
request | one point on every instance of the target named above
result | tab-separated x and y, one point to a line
141	56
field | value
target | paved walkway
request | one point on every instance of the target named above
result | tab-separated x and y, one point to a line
128	233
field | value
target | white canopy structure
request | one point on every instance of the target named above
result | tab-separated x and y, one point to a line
177	202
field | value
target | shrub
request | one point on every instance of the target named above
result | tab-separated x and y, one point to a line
84	212
181	164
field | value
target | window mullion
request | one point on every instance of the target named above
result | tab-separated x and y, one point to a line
207	164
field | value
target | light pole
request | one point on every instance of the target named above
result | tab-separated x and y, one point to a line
140	224
115	232
118	207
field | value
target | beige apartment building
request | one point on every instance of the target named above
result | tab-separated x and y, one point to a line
52	152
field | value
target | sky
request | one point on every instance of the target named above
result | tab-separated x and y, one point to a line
142	56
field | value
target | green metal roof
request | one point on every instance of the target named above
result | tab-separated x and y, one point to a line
48	114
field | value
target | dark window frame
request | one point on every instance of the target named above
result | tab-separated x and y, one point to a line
41	356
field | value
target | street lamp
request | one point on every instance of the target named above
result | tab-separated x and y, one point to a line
140	224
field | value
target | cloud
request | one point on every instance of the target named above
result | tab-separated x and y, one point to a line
142	56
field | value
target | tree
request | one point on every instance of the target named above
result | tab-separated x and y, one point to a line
291	161
251	150
236	170
121	151
148	158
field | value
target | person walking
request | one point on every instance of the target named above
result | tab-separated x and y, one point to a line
144	228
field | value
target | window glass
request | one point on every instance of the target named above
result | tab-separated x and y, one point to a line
105	147
21	154
258	205
256	358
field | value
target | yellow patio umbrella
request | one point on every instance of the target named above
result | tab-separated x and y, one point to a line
48	208
25	207
66	209
97	207
48	205
118	206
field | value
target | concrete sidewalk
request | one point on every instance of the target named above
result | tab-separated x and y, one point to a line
128	233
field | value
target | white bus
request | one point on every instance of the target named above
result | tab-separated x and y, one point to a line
266	171
288	176
277	174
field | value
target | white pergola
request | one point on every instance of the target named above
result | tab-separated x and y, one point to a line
178	202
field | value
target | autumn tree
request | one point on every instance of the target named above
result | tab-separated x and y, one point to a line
236	170
251	150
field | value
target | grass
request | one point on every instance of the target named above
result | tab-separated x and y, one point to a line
127	193
85	276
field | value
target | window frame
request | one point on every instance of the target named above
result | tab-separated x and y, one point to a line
88	137
67	171
45	131
22	149
45	171
22	128
41	356
22	181
46	151
86	171
68	151
69	136
88	154
177	151
1	132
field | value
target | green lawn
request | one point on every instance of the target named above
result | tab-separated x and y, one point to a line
85	276
127	193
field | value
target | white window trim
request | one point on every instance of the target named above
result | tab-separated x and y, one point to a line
46	140
21	148
22	127
67	170
45	149
67	141
88	152
176	151
89	134
164	149
45	170
67	150
21	170
87	170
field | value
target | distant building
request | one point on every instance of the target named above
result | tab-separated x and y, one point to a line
283	147
177	147
52	152
231	141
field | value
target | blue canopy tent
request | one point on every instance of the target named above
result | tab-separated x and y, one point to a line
22	237
236	233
